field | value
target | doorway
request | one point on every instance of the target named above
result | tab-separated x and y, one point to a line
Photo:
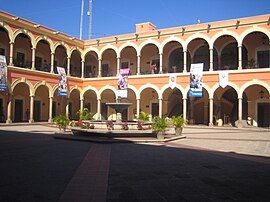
263	115
37	110
18	110
154	109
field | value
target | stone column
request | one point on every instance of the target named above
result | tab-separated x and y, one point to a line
185	109
239	57
118	66
99	67
160	107
33	58
211	108
9	109
138	64
67	108
50	109
138	108
191	118
240	104
11	52
185	61
98	109
82	75
81	104
32	99
68	66
52	62
211	52
160	63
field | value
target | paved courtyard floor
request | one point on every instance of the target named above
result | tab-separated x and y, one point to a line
210	164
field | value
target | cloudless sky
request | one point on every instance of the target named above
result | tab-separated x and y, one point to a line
115	17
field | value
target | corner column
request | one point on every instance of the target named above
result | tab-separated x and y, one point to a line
138	107
118	66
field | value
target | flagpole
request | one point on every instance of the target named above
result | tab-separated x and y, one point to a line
81	21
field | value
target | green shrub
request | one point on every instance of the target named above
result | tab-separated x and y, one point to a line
61	121
84	114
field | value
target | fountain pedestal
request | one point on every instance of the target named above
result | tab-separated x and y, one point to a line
119	108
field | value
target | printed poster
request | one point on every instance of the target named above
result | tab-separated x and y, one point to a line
3	74
196	74
62	84
123	83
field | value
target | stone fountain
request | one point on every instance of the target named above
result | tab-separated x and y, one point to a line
119	107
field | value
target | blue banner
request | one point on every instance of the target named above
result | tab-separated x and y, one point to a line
196	73
62	84
3	74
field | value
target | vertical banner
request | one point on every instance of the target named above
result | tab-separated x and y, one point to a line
223	78
3	74
172	81
196	73
123	83
62	84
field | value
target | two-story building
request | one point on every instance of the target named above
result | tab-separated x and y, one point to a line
239	46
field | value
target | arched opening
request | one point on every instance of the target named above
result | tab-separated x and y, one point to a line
60	58
22	51
109	64
42	58
129	60
41	104
91	65
21	100
150	60
75	64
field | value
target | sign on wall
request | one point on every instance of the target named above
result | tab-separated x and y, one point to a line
62	83
3	74
196	74
223	78
172	81
123	83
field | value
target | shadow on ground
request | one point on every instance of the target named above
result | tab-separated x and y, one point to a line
37	167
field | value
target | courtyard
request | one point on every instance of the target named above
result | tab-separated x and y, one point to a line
210	164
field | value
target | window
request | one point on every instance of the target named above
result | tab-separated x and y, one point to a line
105	70
263	58
2	51
38	63
20	59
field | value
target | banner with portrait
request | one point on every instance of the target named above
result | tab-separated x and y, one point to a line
123	83
3	74
62	82
196	74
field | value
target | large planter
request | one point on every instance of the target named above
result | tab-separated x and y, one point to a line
178	131
160	135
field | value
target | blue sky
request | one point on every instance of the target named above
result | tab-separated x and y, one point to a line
120	16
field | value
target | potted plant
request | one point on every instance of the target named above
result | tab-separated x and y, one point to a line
159	126
61	121
142	119
84	114
178	122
